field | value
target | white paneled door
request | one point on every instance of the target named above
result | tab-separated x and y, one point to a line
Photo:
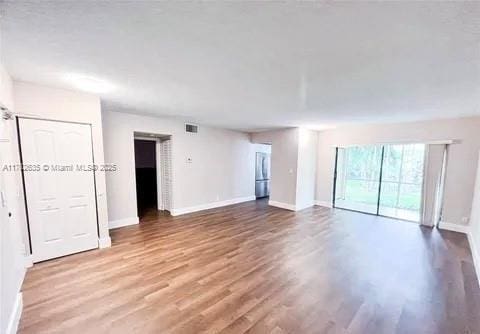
59	187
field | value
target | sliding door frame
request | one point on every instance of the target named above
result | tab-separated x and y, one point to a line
335	178
380	181
335	175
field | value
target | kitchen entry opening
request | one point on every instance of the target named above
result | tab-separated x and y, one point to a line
262	170
385	180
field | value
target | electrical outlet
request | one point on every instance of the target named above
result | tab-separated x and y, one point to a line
465	220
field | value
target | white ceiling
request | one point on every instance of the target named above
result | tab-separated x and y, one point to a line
250	66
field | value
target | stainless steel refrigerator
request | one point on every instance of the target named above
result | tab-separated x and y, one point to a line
262	175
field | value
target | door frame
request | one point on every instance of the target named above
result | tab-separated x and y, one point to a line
158	167
17	121
158	139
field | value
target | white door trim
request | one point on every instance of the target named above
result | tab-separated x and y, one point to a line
158	167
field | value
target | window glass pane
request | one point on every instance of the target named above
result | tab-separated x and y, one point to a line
363	162
359	196
392	163
357	182
410	197
401	191
412	167
389	194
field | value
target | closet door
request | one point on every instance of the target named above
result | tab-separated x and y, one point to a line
60	197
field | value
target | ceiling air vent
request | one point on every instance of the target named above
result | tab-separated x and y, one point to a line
191	128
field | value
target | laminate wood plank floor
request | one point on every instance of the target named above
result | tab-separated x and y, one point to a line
251	268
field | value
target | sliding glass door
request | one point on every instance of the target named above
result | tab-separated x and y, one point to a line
402	180
358	178
382	179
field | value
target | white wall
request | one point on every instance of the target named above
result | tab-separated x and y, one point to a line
12	248
6	89
65	105
462	156
293	166
474	233
222	167
306	168
284	160
262	148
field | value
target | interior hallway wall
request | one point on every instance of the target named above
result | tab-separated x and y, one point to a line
306	168
293	166
220	170
284	161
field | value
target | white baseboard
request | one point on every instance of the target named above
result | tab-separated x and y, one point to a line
475	254
471	240
453	227
281	205
306	206
290	207
104	242
28	261
182	211
122	222
15	316
324	203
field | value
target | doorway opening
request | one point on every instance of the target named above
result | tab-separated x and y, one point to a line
385	180
262	170
146	176
153	175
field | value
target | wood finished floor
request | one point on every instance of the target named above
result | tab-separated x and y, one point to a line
250	268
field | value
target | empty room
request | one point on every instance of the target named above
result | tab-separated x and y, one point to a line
239	167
